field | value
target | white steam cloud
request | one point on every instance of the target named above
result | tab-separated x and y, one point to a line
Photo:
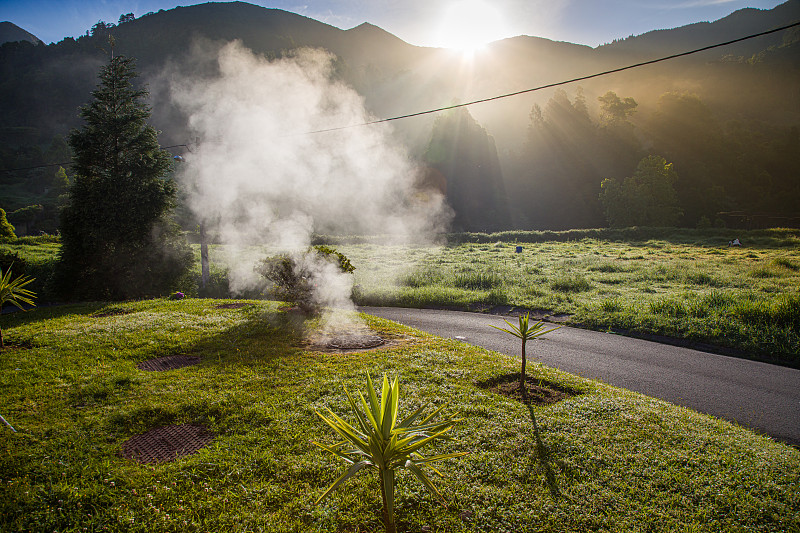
257	176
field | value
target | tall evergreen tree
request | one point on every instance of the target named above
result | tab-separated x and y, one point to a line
117	240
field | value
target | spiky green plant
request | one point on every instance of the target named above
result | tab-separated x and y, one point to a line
525	332
12	291
381	442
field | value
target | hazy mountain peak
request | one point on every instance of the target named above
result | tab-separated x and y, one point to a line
10	32
370	30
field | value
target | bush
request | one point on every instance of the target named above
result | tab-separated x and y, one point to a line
296	278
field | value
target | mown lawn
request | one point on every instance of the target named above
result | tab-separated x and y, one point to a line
70	386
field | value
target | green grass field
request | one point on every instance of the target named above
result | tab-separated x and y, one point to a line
746	299
622	461
684	284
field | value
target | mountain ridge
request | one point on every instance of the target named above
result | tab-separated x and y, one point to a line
10	32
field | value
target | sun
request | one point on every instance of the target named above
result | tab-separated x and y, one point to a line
469	25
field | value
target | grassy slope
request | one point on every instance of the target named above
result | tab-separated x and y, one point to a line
622	461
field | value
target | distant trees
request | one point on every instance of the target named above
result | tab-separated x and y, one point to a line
463	152
555	175
647	198
117	239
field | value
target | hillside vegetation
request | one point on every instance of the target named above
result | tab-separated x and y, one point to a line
725	120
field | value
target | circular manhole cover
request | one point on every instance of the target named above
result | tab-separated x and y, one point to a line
170	362
354	342
166	443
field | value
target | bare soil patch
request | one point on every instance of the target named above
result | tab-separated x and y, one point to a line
540	392
354	342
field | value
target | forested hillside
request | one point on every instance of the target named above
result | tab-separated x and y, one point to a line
726	122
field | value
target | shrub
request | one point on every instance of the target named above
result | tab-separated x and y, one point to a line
296	277
6	229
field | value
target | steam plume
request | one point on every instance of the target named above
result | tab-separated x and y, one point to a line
258	177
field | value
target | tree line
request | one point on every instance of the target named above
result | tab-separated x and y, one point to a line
677	164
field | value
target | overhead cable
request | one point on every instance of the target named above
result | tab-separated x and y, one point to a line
557	84
502	96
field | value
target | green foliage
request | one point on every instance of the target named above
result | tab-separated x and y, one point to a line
614	109
331	254
383	443
118	242
294	276
647	198
6	229
525	332
13	291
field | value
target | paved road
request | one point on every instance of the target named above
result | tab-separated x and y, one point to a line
757	395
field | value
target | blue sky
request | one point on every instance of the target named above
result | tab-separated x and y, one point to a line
456	23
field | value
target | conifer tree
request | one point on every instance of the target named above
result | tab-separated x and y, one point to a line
117	239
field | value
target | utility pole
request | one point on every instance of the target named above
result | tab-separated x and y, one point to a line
204	271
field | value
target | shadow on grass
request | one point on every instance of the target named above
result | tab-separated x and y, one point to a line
50	311
543	456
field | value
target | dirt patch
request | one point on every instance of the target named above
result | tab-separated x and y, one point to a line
234	305
169	362
540	392
165	444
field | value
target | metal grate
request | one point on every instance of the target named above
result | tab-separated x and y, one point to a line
166	443
355	342
170	362
234	305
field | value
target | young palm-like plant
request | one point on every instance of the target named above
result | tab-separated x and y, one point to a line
385	444
12	291
525	332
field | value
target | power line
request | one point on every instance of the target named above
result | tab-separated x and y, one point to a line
557	84
499	97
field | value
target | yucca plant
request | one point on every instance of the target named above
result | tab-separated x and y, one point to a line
381	442
12	291
525	332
